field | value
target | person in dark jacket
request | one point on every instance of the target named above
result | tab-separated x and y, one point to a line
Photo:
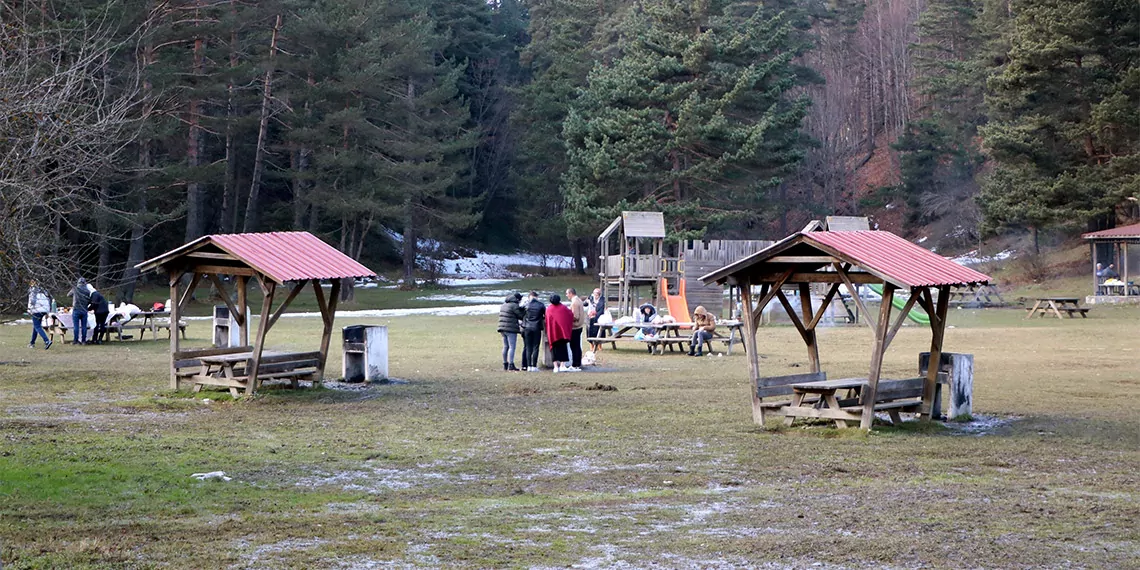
559	324
509	316
595	306
101	308
534	322
645	315
80	298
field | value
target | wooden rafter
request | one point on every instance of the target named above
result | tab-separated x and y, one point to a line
238	316
281	309
899	319
823	307
842	271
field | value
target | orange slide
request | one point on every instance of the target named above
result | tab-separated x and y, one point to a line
677	304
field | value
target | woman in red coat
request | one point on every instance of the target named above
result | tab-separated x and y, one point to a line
559	322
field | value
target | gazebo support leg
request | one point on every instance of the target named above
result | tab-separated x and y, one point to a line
242	304
881	329
809	326
750	342
938	333
268	288
175	279
328	315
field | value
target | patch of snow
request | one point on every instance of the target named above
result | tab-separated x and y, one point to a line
212	476
972	258
981	425
921	240
460	282
463	298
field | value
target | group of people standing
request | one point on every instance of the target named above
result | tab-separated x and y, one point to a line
84	298
562	321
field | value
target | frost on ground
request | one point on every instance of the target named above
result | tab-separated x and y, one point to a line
981	425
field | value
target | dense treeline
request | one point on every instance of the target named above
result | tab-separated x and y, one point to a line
131	126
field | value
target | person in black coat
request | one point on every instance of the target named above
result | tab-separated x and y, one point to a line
595	306
533	323
509	316
101	308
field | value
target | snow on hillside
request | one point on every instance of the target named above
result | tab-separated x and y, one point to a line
478	265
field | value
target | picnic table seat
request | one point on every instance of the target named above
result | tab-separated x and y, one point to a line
230	367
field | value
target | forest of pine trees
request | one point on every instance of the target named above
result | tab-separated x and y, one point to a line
131	126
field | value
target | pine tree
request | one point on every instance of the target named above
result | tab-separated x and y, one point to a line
1064	121
939	157
694	118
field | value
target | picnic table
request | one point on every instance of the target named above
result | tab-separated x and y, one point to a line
232	370
892	396
144	321
668	335
1057	306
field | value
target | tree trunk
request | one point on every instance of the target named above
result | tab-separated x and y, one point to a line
409	243
253	205
228	222
576	253
195	221
135	254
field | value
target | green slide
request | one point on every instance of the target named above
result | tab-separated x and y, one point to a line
915	314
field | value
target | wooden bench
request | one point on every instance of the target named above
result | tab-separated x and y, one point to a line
230	368
187	363
894	397
779	387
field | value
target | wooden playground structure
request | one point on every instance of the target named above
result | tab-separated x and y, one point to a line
834	259
637	264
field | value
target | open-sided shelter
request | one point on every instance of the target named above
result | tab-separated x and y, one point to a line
273	260
847	258
1111	247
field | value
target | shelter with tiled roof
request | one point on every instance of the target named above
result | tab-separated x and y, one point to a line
293	260
846	258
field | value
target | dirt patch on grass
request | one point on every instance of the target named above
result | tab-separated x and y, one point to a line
596	386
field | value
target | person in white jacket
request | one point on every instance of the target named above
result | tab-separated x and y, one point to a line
39	305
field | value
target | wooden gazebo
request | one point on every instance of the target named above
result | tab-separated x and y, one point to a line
280	259
1111	247
845	258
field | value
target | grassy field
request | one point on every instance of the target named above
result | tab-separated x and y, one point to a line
466	466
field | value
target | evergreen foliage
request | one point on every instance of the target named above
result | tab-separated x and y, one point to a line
693	118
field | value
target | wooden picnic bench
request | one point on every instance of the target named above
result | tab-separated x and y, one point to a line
1057	306
152	321
812	395
229	367
668	336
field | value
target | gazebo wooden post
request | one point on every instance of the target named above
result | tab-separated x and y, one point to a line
809	326
268	288
881	330
243	305
175	281
749	318
937	334
328	315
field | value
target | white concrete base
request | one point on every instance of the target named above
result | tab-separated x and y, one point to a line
1112	300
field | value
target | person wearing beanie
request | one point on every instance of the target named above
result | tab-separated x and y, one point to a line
80	298
509	316
559	323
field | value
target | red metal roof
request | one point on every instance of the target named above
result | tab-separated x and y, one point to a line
883	254
1132	231
900	261
281	256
